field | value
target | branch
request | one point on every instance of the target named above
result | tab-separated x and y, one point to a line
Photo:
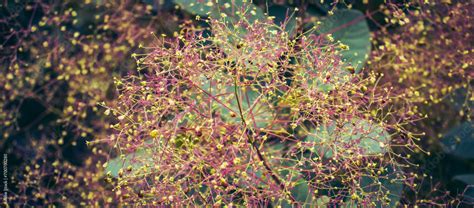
260	156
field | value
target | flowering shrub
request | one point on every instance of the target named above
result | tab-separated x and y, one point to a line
57	62
49	178
428	57
58	50
241	113
297	105
425	55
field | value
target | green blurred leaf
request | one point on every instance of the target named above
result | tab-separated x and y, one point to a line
281	13
388	184
368	136
459	141
322	86
322	137
300	192
322	201
227	7
326	88
256	107
135	160
351	28
468	195
467	179
460	99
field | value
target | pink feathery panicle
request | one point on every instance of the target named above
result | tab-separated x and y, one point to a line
222	118
427	57
55	71
247	104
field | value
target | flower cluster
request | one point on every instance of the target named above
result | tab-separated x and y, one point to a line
427	58
241	114
49	178
57	62
61	49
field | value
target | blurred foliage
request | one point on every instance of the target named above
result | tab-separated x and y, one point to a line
58	61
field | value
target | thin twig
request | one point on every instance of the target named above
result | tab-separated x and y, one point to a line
260	156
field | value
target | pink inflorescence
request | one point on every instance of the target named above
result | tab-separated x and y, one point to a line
247	115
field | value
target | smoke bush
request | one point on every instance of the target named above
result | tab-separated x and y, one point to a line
57	61
241	113
427	58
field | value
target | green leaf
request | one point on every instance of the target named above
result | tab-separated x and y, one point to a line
351	28
281	13
459	141
214	10
388	184
350	204
322	201
324	87
256	107
136	160
300	192
467	179
322	137
460	99
229	12
196	8
468	195
317	9
369	137
255	111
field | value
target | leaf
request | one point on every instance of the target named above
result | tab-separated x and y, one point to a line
388	184
373	138
229	12
369	137
214	10
208	8
467	179
459	141
300	192
324	87
281	13
255	106
461	99
254	109
468	195
322	136
136	160
351	28
323	201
